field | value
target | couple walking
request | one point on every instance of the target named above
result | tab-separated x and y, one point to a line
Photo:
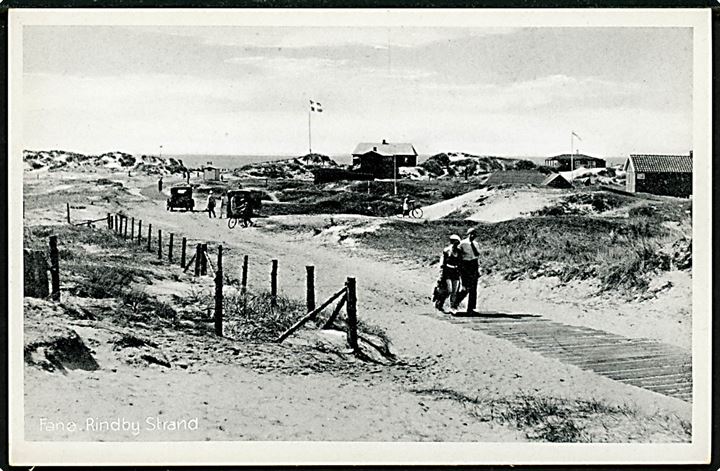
459	275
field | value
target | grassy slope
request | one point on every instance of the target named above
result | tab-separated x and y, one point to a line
354	198
619	251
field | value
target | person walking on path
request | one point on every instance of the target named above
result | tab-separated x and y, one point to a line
449	281
223	205
247	212
469	253
160	183
211	205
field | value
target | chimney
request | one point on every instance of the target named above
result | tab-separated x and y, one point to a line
375	148
691	154
384	141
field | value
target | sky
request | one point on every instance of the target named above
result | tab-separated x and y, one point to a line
246	90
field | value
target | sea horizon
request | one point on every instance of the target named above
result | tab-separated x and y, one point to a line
231	161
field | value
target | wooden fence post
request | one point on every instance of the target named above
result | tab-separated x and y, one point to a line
67	205
159	244
149	241
243	282
139	237
183	252
203	260
310	291
109	221
273	283
352	314
219	294
54	269
170	247
132	229
125	232
198	254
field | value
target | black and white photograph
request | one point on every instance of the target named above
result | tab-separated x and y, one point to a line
359	236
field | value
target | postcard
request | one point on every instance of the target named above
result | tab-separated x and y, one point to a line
359	236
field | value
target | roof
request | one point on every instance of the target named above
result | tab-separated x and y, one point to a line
516	177
385	148
563	182
564	157
661	163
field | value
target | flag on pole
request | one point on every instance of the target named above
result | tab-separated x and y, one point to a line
573	133
316	106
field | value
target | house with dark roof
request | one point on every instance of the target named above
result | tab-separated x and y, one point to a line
669	175
383	159
527	177
562	162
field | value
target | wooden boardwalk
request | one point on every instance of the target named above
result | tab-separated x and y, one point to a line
658	367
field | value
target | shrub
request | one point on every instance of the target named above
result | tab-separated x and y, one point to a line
97	281
252	317
525	165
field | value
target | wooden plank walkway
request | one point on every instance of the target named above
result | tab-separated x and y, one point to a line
645	363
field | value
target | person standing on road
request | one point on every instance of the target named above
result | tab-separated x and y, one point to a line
450	274
160	183
211	205
247	212
223	205
406	207
469	253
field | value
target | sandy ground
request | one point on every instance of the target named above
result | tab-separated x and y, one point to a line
443	208
235	402
507	204
486	205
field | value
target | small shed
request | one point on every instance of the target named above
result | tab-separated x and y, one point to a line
527	177
669	175
562	162
211	173
383	159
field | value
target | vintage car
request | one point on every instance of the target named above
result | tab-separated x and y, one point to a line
181	198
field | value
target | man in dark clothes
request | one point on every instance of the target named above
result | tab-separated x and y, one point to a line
160	185
211	205
469	275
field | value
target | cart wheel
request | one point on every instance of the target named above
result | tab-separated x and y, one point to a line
232	222
417	213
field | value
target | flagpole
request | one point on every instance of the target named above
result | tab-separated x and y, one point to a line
572	154
310	131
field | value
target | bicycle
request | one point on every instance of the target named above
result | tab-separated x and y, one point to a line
414	212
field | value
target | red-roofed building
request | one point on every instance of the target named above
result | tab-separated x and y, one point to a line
669	175
381	159
562	162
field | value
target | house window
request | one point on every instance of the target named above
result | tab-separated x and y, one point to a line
641	176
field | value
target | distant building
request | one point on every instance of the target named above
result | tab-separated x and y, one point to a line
380	159
527	177
561	163
669	175
211	173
